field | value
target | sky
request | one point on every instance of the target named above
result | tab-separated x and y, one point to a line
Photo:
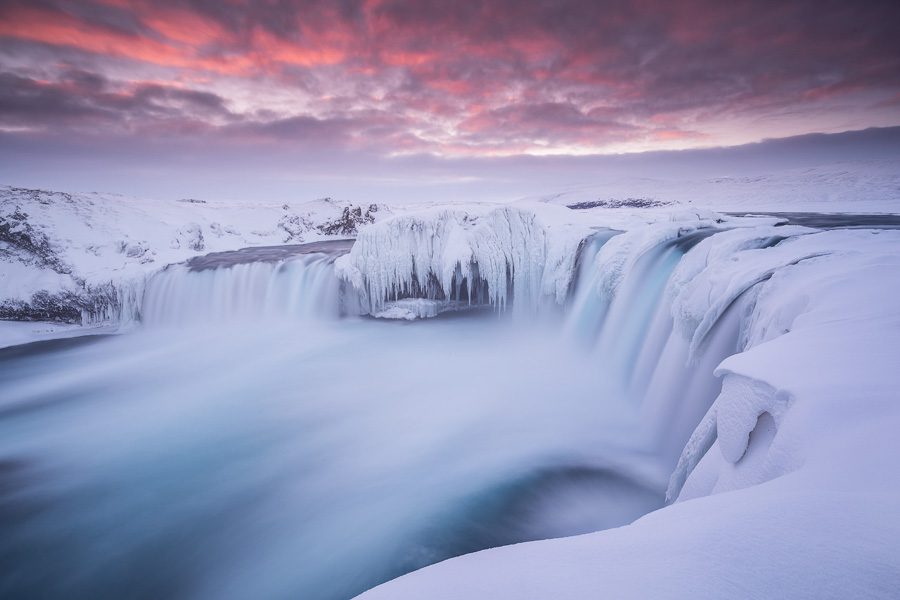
282	96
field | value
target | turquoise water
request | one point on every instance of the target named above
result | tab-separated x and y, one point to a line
299	460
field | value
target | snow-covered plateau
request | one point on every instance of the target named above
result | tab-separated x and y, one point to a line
582	395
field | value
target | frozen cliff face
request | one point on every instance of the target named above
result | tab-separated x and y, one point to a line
499	257
36	282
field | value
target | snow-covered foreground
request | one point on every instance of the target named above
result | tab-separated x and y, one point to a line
608	359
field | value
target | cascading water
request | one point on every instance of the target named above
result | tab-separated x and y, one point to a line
623	326
624	314
299	287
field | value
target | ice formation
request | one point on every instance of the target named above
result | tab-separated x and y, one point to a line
499	257
410	309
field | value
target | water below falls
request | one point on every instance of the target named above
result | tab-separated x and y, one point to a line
298	460
246	442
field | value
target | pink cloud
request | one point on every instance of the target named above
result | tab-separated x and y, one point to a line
503	76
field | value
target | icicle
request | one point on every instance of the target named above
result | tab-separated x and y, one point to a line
503	258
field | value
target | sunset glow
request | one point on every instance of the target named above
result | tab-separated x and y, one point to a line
450	79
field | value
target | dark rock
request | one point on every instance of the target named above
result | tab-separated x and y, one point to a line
67	306
349	221
294	226
20	241
620	203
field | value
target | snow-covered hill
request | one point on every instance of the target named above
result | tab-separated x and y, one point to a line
850	186
84	258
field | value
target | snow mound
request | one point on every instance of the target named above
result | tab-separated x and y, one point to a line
722	267
410	309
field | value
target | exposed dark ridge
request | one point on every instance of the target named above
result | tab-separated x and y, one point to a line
831	220
620	203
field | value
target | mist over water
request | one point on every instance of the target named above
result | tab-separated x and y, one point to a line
300	458
253	439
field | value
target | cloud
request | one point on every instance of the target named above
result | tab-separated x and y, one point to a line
82	100
500	76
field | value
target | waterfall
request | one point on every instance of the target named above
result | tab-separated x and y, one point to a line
636	303
659	309
298	287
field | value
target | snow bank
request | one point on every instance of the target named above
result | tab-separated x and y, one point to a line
13	333
820	308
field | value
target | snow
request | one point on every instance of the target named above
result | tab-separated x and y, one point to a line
18	280
410	309
866	186
722	267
